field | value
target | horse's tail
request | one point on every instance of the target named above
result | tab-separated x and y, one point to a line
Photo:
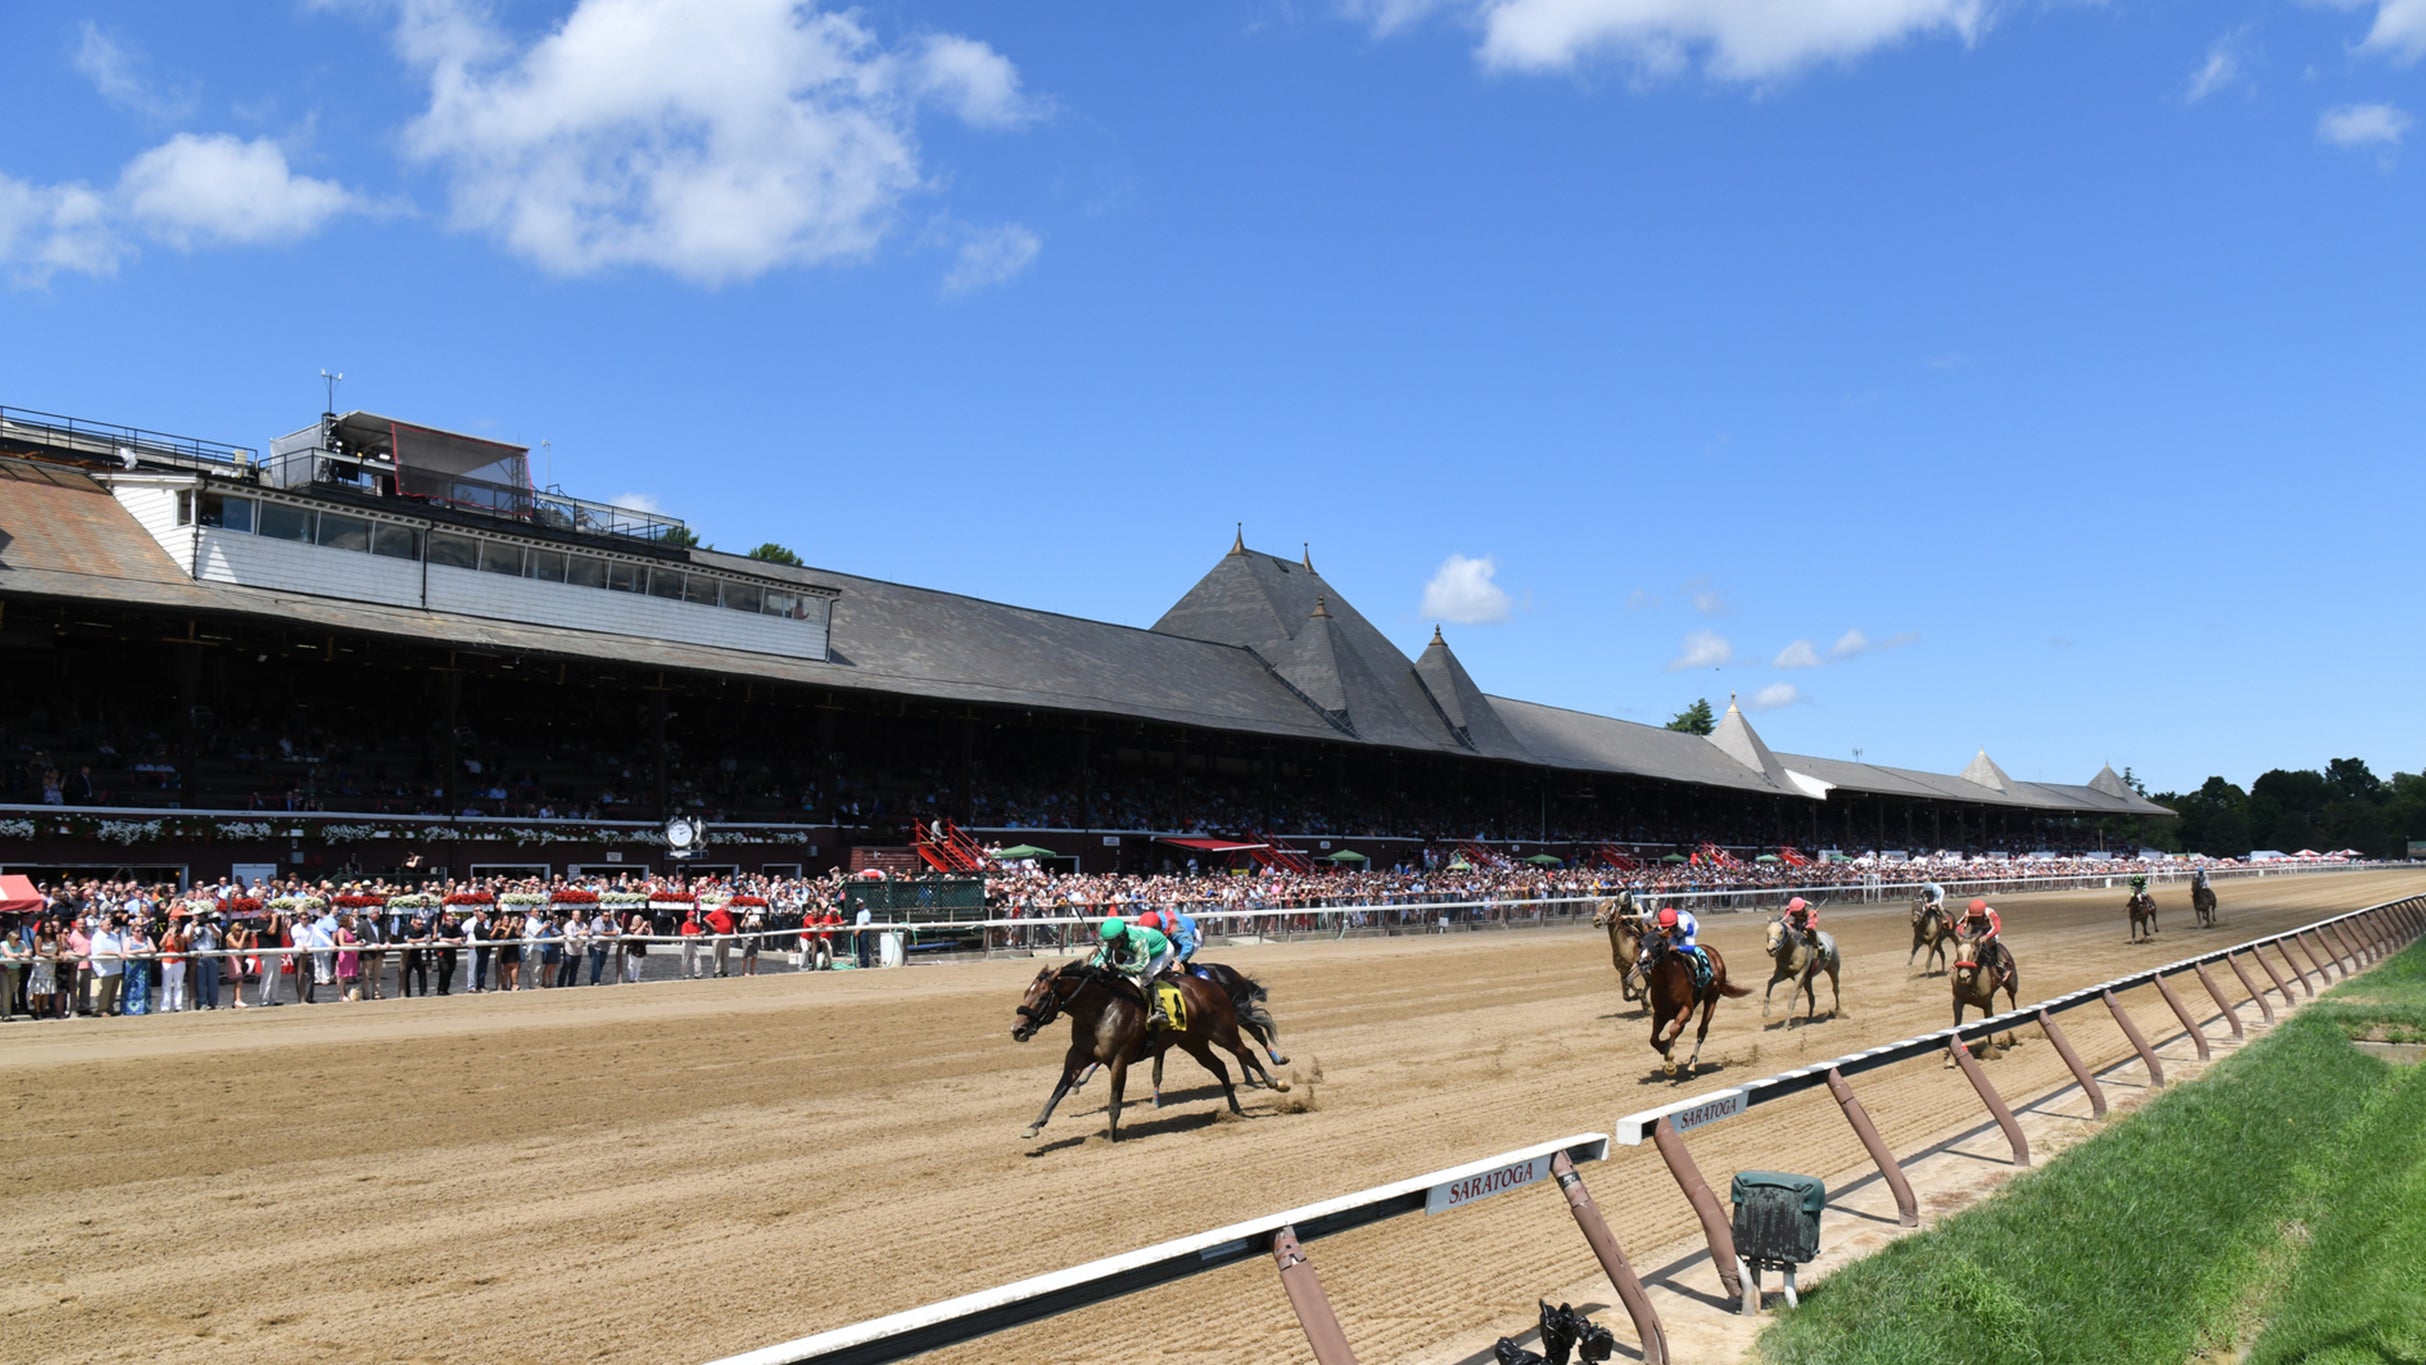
1733	991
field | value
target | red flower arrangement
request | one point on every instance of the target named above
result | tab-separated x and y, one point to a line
353	900
241	905
469	898
749	902
683	897
573	895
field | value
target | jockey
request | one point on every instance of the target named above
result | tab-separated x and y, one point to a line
2198	878
1936	895
1185	939
1678	928
1981	927
2139	884
1141	955
1802	916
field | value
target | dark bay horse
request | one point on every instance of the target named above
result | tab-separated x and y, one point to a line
1800	958
1247	996
1668	982
2202	904
1932	928
1977	978
2143	911
1108	1025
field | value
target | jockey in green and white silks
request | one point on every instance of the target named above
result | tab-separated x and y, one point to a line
1139	953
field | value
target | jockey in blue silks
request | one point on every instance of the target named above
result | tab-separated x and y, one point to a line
1679	928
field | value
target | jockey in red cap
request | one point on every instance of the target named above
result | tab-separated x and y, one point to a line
1802	915
1678	928
1980	928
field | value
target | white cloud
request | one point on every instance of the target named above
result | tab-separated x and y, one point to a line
1775	695
1703	649
639	502
46	229
2221	70
990	257
1800	654
1462	591
1738	40
1853	644
191	191
113	72
187	192
978	83
2399	30
1710	602
715	142
1641	599
2363	125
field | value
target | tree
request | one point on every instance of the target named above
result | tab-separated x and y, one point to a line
2132	781
773	553
1697	719
679	538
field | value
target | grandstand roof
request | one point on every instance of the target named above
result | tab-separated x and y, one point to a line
1261	645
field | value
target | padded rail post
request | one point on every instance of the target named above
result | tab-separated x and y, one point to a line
1312	1304
2352	959
2148	1057
1907	1207
2350	936
2249	984
2182	1012
2080	1073
1715	1229
2283	951
1613	1262
2316	959
1994	1101
2231	1016
2281	987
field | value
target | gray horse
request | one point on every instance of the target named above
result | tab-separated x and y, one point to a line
1799	958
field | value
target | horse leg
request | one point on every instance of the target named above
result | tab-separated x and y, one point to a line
1709	1007
1202	1050
1120	1081
1069	1075
1836	992
1158	1080
1267	1032
1772	990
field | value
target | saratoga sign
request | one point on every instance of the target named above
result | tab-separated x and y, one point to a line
1725	1105
1456	1194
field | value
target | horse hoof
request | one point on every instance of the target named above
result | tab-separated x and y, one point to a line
1280	1085
1158	1100
1030	1132
1277	1059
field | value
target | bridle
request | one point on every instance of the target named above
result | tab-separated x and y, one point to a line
1044	1013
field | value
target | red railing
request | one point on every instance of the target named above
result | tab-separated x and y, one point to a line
945	847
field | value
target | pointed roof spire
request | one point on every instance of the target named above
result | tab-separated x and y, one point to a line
1322	609
2111	783
1309	559
1239	546
1983	772
1735	737
1436	639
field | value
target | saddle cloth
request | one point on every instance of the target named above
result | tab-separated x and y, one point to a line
1174	1004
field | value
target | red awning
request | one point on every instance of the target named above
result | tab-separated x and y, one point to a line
18	896
1212	845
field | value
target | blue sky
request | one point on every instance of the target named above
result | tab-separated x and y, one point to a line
2045	375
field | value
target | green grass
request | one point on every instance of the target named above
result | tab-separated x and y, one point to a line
2166	1234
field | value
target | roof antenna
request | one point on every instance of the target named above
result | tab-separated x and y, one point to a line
1309	559
1239	546
330	382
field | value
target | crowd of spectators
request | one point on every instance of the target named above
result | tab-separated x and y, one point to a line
116	947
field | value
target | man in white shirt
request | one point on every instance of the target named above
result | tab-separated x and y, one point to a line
109	966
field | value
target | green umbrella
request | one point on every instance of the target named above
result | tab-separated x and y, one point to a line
1673	858
1019	851
1348	855
1766	858
1460	865
1546	860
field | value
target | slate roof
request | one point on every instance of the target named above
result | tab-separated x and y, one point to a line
1245	651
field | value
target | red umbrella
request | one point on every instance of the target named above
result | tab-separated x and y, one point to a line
18	896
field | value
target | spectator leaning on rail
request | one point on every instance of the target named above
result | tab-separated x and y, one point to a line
1139	953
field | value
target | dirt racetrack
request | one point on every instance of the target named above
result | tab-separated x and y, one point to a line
675	1172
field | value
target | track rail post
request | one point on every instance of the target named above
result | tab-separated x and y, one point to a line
1715	1229
2249	984
2352	941
2232	1016
1995	1102
1907	1207
2283	951
2182	1012
2315	956
1312	1304
2148	1057
2352	959
2072	1059
2281	987
1613	1262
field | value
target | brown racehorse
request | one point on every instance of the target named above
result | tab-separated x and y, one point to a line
1976	981
1108	1025
2202	904
1247	996
2143	911
1625	925
1668	982
1932	928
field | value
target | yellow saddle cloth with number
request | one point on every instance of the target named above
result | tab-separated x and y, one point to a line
1174	1003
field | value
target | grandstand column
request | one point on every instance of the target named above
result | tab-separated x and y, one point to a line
449	686
661	778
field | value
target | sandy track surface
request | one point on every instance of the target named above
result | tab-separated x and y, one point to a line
675	1172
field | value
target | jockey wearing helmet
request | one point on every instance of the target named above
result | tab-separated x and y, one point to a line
1936	895
1980	928
1138	953
2139	884
1678	928
2198	878
1185	939
1802	916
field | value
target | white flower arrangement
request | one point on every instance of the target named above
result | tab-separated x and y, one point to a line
243	829
522	900
622	898
293	904
129	831
412	900
347	834
16	829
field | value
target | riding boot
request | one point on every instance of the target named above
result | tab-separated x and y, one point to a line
1155	1018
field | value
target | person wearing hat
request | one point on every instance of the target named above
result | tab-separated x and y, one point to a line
1802	916
1678	929
1139	953
1980	928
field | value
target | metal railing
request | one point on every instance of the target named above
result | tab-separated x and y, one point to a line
110	439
